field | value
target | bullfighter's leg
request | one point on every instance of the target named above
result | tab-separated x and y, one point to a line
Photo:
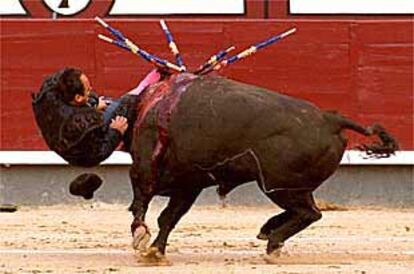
301	211
179	203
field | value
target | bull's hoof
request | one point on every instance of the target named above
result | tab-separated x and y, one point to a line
141	238
262	236
273	257
153	256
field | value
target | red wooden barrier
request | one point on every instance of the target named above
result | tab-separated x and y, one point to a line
362	68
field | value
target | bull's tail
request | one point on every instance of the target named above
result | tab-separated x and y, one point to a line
383	149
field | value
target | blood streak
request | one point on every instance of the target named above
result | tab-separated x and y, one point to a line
166	94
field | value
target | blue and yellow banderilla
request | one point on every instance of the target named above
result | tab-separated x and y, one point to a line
251	50
173	46
214	60
127	44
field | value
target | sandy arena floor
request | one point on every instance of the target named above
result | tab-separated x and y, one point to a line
94	238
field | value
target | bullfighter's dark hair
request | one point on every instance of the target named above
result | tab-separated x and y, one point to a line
70	84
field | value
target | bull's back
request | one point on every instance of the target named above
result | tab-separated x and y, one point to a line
218	118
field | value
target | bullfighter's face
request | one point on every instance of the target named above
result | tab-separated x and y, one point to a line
87	87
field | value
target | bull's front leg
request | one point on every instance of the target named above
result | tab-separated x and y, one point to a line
180	202
139	206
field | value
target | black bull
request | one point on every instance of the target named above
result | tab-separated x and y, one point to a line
204	131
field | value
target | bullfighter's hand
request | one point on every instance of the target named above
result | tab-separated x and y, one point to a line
101	104
120	123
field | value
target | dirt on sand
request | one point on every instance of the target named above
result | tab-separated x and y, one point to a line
95	238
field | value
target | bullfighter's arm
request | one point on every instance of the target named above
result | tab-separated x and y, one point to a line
95	147
107	142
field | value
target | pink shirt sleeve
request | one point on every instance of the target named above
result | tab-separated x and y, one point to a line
151	78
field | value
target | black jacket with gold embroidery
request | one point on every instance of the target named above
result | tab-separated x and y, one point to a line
78	134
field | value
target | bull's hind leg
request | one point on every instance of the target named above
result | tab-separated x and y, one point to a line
300	212
273	223
179	203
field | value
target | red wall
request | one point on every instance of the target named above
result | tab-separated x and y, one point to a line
360	67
